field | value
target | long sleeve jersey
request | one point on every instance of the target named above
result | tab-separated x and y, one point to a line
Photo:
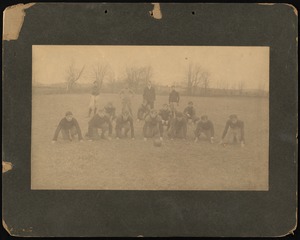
238	125
205	126
174	96
111	111
178	126
120	122
67	125
165	114
149	94
97	122
190	110
153	122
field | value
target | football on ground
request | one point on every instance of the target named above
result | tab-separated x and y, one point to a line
157	142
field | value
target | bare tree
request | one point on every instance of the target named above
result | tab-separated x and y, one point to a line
196	77
100	72
136	76
73	76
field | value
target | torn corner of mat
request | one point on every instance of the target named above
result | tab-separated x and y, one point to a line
13	18
156	13
6	227
6	166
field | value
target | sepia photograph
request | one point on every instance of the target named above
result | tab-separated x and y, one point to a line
117	117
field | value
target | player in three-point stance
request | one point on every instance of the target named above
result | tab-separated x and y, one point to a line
69	128
205	127
110	111
99	121
166	115
233	131
153	126
178	126
174	99
124	123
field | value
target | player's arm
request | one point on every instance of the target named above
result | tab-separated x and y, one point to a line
242	132
118	128
225	130
146	124
131	127
212	129
109	126
59	127
78	130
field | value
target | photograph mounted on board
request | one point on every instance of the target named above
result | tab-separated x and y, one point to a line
150	118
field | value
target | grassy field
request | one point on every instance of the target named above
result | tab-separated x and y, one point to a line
138	165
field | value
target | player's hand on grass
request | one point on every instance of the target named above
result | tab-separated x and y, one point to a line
53	141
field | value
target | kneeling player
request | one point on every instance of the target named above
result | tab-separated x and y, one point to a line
153	125
110	111
205	127
234	131
124	123
165	115
69	128
143	111
178	127
190	113
102	122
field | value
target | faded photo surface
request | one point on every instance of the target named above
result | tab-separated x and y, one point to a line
150	118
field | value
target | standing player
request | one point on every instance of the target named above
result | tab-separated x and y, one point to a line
124	123
149	95
190	113
178	127
234	131
126	94
94	98
99	121
153	126
205	127
165	115
110	111
174	99
69	128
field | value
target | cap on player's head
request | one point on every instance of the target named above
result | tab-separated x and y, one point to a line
190	103
233	116
69	113
204	117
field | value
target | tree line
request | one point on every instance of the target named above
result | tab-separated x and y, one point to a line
197	80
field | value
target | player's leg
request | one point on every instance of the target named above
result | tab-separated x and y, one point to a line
73	132
126	127
104	129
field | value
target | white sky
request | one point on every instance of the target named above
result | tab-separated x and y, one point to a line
169	63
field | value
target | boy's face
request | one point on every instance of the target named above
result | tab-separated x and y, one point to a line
153	114
233	120
101	114
69	118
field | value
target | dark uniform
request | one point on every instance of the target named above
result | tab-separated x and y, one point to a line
207	128
149	96
124	124
178	128
153	127
97	122
69	129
